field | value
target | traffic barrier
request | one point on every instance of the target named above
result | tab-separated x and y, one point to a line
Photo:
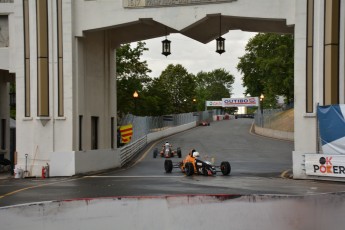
18	173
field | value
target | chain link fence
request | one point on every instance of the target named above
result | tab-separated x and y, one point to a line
264	118
145	125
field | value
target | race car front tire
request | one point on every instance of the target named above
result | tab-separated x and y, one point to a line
155	153
225	167
168	166
179	153
189	169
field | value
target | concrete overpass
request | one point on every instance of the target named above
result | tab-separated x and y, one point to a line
62	53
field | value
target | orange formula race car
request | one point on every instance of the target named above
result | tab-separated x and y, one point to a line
167	151
192	164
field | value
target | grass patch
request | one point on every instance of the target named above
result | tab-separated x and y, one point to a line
283	121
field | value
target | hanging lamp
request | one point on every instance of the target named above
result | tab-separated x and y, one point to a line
220	42
166	45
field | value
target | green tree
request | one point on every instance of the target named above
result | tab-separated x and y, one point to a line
211	86
267	67
171	93
156	103
177	88
131	75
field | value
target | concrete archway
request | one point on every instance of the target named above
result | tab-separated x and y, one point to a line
69	47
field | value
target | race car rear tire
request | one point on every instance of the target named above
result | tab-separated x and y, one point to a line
189	169
179	153
155	153
168	166
225	167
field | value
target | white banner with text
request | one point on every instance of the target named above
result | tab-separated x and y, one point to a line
238	102
325	165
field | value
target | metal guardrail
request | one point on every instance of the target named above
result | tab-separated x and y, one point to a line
145	125
128	152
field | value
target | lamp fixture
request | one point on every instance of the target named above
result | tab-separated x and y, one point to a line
135	94
220	42
166	44
262	97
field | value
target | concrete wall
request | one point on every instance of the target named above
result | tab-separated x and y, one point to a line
4	58
181	212
76	162
274	133
166	132
89	90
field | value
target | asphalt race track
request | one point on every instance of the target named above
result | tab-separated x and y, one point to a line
257	165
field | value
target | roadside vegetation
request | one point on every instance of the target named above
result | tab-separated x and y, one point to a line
266	66
174	91
283	121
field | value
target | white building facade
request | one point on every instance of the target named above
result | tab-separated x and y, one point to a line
62	54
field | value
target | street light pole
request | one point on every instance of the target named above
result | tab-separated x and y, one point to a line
194	104
262	109
135	96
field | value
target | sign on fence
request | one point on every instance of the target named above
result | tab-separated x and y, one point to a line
126	132
325	165
214	103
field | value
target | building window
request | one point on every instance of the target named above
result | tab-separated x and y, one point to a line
27	100
94	132
112	132
60	59
80	132
42	58
331	52
3	134
310	58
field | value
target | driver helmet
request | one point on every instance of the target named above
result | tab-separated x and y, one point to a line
196	154
167	144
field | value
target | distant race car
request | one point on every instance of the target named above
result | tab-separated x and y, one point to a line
204	123
167	151
191	165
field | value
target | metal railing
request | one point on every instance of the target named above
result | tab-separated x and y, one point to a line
130	151
145	125
264	118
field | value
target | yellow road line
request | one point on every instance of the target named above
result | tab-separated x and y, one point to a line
36	186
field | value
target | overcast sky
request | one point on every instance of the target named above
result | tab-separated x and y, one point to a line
196	56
